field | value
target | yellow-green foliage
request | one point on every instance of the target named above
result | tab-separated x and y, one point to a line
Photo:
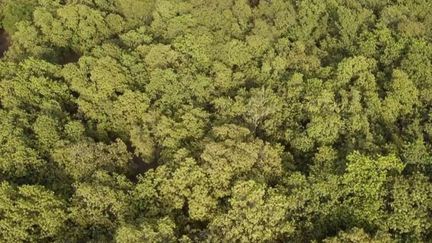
216	121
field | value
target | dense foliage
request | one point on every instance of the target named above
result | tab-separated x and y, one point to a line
216	121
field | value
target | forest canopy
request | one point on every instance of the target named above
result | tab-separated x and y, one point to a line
216	121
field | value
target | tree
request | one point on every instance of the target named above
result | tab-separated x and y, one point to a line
402	98
82	160
358	235
30	213
13	12
161	230
98	207
256	214
365	183
410	208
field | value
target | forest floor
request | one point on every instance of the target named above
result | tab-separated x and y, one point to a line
4	42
